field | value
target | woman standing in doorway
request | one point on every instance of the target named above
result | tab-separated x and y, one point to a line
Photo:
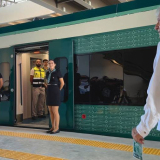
54	78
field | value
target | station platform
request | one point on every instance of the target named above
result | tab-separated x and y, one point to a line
35	144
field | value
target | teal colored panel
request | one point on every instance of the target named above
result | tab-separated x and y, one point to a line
63	116
60	49
5	113
112	120
7	107
117	40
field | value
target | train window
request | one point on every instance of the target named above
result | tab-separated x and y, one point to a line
138	69
114	77
81	79
101	78
62	65
5	90
106	77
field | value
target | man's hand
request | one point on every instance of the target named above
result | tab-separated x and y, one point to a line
137	137
45	85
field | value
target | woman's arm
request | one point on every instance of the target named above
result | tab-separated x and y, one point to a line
45	80
61	83
1	83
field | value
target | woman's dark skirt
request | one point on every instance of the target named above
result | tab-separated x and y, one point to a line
53	95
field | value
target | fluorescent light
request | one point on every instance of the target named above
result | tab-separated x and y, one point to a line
55	15
115	62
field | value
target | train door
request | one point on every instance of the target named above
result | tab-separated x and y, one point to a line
7	114
62	52
26	57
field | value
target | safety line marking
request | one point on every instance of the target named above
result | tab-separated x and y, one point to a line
24	156
85	142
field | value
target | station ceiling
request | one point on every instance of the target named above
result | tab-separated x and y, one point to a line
15	12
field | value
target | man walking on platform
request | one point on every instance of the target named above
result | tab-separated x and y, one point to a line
152	107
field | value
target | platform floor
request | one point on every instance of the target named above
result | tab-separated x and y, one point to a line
38	123
35	144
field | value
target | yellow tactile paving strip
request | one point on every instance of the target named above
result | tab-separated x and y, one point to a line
84	142
24	156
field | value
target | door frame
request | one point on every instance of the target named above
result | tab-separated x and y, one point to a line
15	54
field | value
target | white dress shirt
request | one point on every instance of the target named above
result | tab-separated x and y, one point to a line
152	106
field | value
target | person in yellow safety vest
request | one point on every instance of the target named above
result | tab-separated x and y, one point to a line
37	76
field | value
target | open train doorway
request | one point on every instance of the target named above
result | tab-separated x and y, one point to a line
26	58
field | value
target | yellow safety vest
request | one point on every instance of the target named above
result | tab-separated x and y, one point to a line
38	79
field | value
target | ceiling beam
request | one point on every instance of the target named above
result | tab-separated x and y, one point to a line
80	2
63	1
111	2
42	3
84	4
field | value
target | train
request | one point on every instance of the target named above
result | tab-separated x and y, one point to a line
111	48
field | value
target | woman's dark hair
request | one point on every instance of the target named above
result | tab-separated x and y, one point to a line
52	60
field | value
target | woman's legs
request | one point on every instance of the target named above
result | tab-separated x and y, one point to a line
52	117
56	117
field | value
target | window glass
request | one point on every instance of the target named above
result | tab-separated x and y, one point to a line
138	69
5	90
106	74
62	65
82	79
114	77
101	78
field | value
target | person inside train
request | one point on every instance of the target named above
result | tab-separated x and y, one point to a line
1	81
1	84
37	76
66	86
77	83
55	84
45	67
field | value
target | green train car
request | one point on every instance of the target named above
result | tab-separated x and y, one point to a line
111	49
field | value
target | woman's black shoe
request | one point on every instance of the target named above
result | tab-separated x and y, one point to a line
55	132
49	131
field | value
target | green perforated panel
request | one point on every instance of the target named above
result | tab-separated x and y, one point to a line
123	39
111	120
103	118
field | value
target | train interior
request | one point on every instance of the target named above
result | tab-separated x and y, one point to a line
25	61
